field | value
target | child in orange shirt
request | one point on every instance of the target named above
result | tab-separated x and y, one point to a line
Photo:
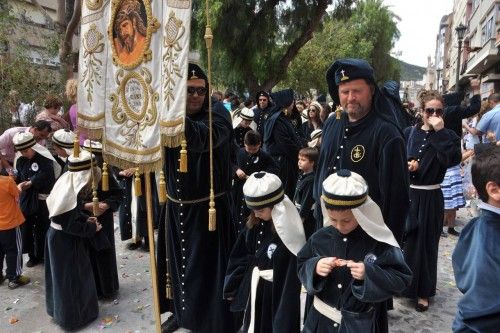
11	218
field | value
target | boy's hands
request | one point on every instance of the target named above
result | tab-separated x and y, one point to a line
357	269
326	265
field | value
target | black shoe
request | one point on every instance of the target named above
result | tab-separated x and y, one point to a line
133	246
170	325
145	246
444	234
2	278
453	232
19	281
33	262
421	308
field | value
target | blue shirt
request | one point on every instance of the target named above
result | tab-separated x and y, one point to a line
491	122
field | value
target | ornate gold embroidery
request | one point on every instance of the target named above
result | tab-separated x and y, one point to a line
174	30
134	105
92	43
357	153
131	26
182	4
94	4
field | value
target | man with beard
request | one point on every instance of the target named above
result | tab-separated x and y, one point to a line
365	139
196	256
130	32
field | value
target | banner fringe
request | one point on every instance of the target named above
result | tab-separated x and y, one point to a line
123	164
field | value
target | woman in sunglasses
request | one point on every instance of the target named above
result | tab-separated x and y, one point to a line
430	149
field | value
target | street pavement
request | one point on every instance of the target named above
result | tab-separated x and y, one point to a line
23	309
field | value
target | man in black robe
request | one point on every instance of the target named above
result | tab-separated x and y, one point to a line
262	111
365	140
196	256
281	141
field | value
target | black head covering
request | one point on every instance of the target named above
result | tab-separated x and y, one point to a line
195	72
345	70
261	93
283	98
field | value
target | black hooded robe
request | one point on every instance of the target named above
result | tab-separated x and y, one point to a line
386	274
374	148
71	295
198	257
277	303
435	152
304	201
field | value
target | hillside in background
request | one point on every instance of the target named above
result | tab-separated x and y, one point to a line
411	72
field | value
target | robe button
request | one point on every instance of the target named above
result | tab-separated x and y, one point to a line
423	145
347	130
345	137
182	223
418	160
334	168
341	147
258	242
425	139
339	286
184	258
420	150
181	214
180	204
178	190
261	232
335	325
177	180
345	239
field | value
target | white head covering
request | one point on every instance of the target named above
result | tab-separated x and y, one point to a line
348	190
64	194
64	138
25	140
245	114
315	137
94	146
264	189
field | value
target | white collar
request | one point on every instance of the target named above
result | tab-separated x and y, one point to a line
487	206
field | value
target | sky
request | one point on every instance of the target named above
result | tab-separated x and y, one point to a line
418	27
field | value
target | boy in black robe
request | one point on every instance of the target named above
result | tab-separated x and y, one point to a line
261	277
244	123
37	172
303	198
353	264
249	160
70	291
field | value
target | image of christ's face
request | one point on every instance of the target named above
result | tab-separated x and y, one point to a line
126	34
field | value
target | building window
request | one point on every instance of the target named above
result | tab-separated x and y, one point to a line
487	31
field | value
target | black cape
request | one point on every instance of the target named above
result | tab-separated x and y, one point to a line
71	296
435	152
281	142
362	302
198	257
239	135
277	304
374	148
304	201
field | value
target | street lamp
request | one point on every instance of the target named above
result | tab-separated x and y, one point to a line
460	29
438	71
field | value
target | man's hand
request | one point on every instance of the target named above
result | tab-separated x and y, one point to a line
413	165
357	269
475	84
127	173
241	174
437	123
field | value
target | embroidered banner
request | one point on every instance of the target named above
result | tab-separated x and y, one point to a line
132	77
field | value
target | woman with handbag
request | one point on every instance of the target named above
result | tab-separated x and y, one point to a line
430	149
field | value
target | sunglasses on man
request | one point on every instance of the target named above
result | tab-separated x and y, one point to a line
431	111
201	91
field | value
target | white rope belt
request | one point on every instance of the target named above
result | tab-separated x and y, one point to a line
256	275
326	310
55	226
426	187
42	196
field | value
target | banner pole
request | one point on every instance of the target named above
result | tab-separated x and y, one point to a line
152	257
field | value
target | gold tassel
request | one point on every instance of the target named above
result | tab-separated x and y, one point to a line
76	147
183	161
105	177
162	195
338	112
137	183
95	202
168	284
211	213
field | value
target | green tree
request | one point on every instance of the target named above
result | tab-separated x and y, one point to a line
255	40
368	34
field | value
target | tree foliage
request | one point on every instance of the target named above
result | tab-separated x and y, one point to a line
255	40
368	34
